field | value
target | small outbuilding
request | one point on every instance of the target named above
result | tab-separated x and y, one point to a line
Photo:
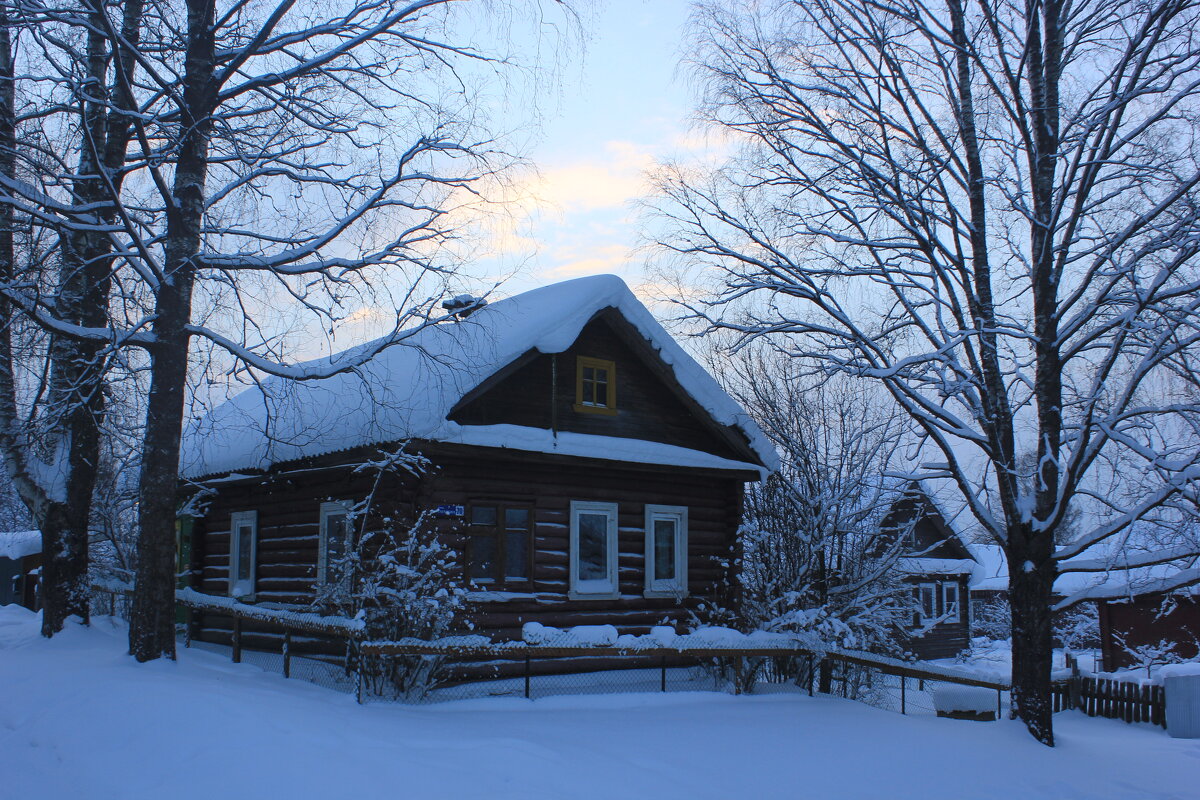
20	568
1146	621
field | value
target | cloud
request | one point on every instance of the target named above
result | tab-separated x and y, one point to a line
600	259
612	180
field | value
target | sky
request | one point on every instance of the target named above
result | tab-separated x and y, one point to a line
624	105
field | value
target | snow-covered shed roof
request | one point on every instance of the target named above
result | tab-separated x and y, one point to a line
991	575
18	544
409	389
935	566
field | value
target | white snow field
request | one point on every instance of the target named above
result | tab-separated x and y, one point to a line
80	719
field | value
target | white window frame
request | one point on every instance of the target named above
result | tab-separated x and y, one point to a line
327	510
677	585
245	589
954	615
933	593
594	589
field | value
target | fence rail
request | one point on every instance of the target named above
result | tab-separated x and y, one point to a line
818	669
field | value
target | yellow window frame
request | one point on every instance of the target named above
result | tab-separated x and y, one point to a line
610	406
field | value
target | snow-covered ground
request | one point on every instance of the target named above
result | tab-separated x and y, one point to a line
79	719
993	659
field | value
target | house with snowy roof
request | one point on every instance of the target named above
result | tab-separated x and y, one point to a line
585	469
20	566
938	566
1133	609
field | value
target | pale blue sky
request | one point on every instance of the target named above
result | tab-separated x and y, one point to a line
624	105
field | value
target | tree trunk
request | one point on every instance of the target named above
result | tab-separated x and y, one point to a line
152	621
1030	582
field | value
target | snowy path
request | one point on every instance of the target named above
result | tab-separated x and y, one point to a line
78	719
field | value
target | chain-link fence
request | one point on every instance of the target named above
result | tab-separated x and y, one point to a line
329	672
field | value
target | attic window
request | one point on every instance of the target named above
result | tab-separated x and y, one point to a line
595	385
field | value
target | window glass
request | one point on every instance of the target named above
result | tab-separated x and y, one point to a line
601	390
664	549
483	515
950	599
482	558
245	544
336	537
593	546
516	555
516	543
928	601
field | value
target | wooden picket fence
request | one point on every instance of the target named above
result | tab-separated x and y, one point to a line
1114	699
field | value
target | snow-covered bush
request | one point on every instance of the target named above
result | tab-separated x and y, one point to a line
399	578
1078	628
1152	655
992	619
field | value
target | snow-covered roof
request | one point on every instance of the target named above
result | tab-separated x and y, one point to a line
18	544
935	566
991	575
408	390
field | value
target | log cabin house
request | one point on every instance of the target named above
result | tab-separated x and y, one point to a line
585	468
938	566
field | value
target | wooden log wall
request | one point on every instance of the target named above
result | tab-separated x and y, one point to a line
714	513
288	508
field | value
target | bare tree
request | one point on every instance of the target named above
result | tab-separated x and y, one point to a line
296	155
989	208
815	560
75	115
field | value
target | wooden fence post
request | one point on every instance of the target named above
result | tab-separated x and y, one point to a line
825	685
663	683
903	694
287	654
237	640
527	676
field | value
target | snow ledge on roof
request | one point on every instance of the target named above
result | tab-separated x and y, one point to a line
19	544
935	566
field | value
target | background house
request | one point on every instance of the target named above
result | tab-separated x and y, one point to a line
935	561
20	566
585	469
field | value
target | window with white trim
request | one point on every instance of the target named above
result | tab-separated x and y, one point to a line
593	550
666	551
950	601
334	541
243	553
